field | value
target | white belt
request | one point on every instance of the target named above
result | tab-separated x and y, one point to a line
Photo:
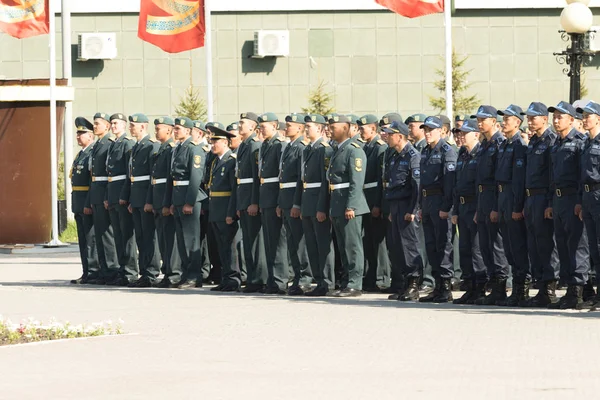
269	180
313	185
370	185
245	180
288	185
141	178
117	178
339	186
181	183
159	181
99	178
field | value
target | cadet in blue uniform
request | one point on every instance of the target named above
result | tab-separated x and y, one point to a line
313	193
80	186
510	176
141	162
438	169
490	238
105	242
270	153
289	207
465	206
571	238
234	144
403	196
590	180
117	201
222	216
540	229
346	176
183	185
160	204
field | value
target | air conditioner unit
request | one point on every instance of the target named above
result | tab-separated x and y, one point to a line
271	44
97	46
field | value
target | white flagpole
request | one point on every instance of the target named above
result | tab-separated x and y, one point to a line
65	18
208	49
448	26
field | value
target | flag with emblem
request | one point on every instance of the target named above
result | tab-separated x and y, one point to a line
172	25
413	8
24	18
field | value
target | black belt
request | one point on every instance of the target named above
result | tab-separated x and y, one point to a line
486	188
566	191
533	192
591	187
431	192
467	199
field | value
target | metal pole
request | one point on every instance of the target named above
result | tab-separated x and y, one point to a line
575	72
448	27
208	47
65	18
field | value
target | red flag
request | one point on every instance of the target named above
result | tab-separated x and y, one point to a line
172	25
24	18
413	8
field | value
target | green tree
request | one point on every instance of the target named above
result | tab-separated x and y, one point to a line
192	105
319	101
462	102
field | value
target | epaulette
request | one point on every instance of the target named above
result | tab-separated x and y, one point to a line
233	155
581	136
412	152
361	140
127	138
305	142
193	143
172	144
255	139
325	144
153	140
446	147
206	148
380	142
111	139
279	138
355	145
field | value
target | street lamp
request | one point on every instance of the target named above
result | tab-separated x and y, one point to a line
576	19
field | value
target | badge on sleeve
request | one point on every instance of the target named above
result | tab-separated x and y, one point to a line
197	160
519	163
358	164
327	159
451	167
416	172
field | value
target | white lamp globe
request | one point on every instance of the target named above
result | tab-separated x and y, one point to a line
576	18
586	2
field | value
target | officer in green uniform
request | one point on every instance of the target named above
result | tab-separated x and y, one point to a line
117	195
163	220
247	202
141	162
183	185
289	204
222	187
377	261
80	186
313	194
355	130
105	242
346	176
270	153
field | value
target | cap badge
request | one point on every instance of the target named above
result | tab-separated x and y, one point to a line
134	118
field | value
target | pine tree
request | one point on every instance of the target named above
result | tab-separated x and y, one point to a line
319	101
192	105
462	103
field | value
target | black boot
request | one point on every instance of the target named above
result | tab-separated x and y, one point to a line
520	293
497	294
588	291
444	292
436	291
412	291
469	287
545	296
479	293
572	299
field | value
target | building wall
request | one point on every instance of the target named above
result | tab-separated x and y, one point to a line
373	61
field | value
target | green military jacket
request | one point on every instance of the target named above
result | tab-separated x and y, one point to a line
290	173
187	171
312	192
141	162
268	168
97	193
222	188
161	168
347	168
247	171
117	164
375	151
80	179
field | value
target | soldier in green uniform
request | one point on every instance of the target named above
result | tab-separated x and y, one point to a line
183	185
80	186
355	130
313	193
157	201
346	176
247	202
105	242
268	171
141	162
289	204
377	261
222	187
116	201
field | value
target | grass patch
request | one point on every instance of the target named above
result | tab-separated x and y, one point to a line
70	234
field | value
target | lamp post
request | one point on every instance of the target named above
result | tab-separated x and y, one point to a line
576	19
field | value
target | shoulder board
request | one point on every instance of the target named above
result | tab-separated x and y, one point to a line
325	144
361	140
381	142
446	147
153	140
233	155
127	138
206	148
111	139
255	139
193	143
280	139
581	136
355	145
412	152
172	144
305	142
